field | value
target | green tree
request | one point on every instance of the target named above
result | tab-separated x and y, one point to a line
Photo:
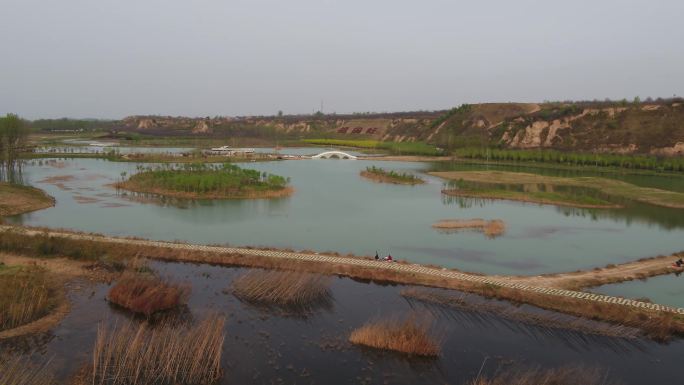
13	134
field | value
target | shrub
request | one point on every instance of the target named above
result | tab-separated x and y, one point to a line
147	294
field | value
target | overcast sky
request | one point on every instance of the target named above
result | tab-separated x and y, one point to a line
113	58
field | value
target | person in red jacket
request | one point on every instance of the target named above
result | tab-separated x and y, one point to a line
388	258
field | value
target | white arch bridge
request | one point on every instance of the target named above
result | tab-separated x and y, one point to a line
333	155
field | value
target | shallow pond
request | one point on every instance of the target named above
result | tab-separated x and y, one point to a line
264	347
666	289
334	209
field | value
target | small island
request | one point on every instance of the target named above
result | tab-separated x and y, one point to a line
491	229
203	181
381	175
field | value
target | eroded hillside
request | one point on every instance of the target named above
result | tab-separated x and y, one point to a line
617	127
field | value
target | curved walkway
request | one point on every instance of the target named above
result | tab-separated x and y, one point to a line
329	259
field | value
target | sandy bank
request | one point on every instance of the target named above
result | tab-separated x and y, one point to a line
16	199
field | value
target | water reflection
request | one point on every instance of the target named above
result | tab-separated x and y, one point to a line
631	212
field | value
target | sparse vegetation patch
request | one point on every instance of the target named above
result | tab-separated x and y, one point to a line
287	289
381	175
411	335
491	229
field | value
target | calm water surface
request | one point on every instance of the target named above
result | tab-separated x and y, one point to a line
263	347
334	209
667	289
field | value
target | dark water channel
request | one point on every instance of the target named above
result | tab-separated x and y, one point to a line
265	347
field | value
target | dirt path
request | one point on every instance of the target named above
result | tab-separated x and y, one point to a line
553	285
641	269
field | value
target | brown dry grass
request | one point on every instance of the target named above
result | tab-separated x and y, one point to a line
146	294
491	229
657	325
16	199
473	304
410	335
283	288
142	354
573	375
26	294
20	371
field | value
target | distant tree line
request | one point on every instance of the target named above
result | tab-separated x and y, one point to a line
66	124
638	162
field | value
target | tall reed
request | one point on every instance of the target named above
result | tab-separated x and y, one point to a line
283	288
572	375
21	371
410	335
133	354
25	295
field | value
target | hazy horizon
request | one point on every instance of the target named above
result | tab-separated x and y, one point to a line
108	60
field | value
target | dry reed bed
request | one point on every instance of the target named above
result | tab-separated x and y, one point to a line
146	294
411	335
573	375
287	289
26	294
658	326
491	229
133	354
21	371
469	303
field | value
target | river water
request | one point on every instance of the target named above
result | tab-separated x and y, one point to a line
265	347
334	209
